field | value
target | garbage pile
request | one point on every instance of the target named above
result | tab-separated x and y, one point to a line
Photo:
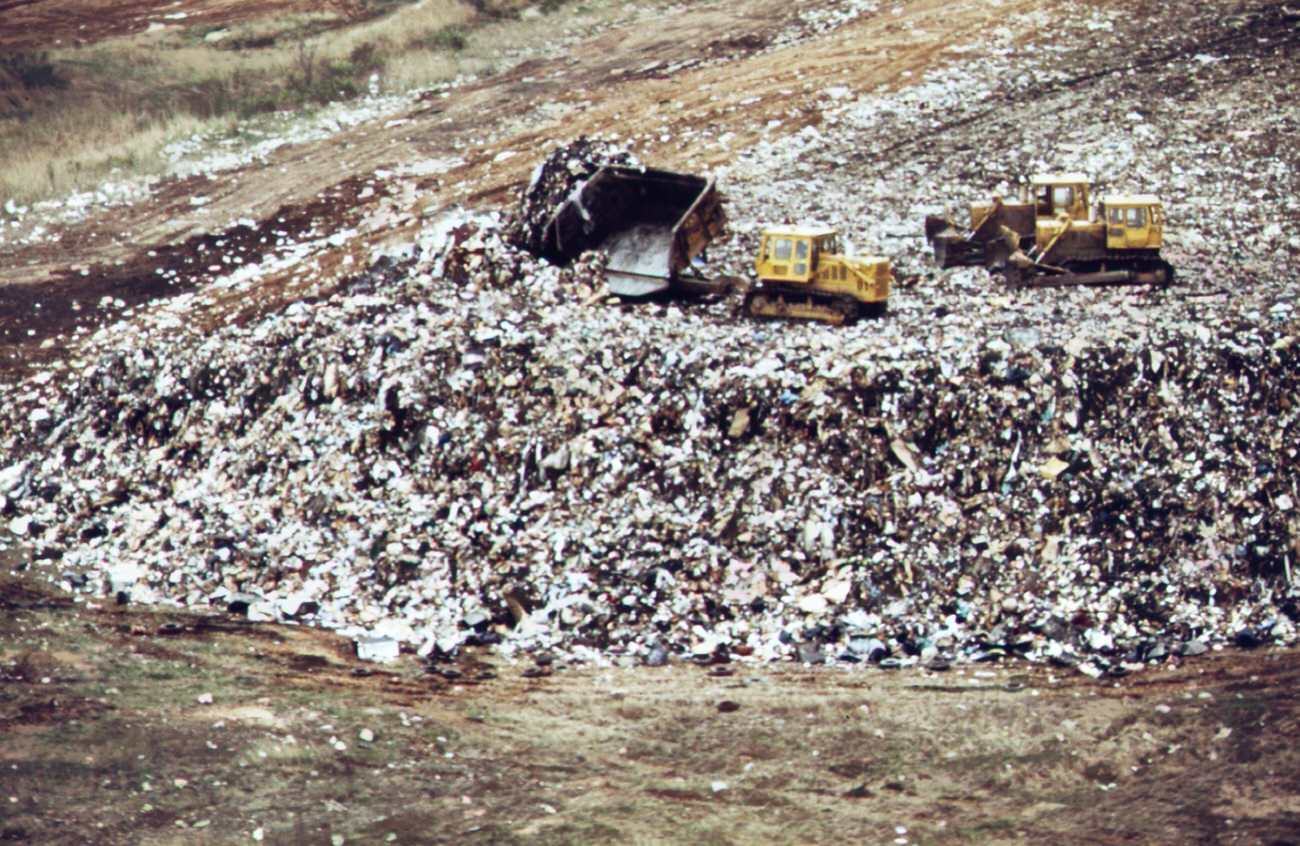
553	181
458	446
439	463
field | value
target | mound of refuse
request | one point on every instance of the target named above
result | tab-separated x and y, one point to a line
487	458
468	444
553	181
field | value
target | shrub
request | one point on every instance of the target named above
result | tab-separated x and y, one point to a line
491	11
453	38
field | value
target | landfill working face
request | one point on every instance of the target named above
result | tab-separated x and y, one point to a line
408	463
466	443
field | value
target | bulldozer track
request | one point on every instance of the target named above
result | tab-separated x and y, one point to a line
1152	273
781	303
1164	57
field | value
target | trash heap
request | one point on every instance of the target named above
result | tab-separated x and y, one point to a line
466	444
553	181
438	462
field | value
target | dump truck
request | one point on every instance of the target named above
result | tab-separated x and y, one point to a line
803	274
1052	238
651	224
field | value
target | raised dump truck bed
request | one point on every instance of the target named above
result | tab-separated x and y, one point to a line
650	223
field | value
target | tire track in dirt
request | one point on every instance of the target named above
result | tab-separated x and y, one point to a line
1260	29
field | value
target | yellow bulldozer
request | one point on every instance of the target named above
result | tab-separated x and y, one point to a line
1051	238
803	274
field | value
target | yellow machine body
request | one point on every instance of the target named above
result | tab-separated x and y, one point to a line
1055	194
1124	223
803	274
812	258
1051	238
1135	222
1047	196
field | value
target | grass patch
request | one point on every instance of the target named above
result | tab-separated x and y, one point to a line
452	38
988	830
71	118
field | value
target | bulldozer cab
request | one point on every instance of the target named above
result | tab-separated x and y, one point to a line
1056	194
791	255
1133	222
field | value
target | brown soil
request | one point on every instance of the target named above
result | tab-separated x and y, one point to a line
42	24
110	737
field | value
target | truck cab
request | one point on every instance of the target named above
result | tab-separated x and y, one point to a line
1133	222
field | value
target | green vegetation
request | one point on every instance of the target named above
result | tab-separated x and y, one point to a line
454	38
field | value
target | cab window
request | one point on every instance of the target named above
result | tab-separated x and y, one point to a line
782	250
1116	217
1137	218
1062	197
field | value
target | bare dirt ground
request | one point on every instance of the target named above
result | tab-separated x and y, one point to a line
109	732
127	726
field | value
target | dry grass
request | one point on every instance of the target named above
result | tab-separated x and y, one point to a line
117	104
70	153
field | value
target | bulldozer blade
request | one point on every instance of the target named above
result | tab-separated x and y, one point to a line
634	286
952	246
955	251
698	286
937	224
